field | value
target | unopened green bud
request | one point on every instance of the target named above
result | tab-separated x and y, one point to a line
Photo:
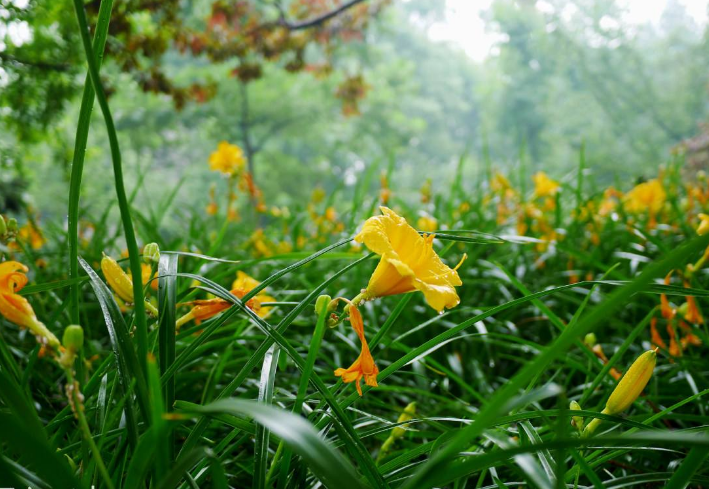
576	421
683	309
73	338
12	225
323	302
407	415
3	226
151	253
590	340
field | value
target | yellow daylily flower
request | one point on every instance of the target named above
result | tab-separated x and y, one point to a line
648	196
499	182
408	262
245	284
703	227
228	159
16	308
544	186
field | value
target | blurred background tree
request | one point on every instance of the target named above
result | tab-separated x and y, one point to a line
319	92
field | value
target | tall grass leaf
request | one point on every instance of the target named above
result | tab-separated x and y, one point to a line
126	361
20	437
265	396
326	463
77	165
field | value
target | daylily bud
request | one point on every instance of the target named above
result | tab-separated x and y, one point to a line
408	414
322	303
73	338
3	226
628	389
590	340
151	253
72	341
632	383
683	309
119	281
12	225
576	421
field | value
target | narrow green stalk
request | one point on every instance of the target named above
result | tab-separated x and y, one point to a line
86	431
77	164
141	334
313	351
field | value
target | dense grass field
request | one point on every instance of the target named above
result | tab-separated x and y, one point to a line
488	375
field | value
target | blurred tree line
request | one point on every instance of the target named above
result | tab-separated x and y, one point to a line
319	91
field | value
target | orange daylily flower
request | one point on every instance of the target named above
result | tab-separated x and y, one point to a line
656	339
668	312
208	308
16	308
364	366
408	262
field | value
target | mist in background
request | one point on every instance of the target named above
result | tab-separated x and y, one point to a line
512	85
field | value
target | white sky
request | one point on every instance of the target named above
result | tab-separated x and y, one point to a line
463	25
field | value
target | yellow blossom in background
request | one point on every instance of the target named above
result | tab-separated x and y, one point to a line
499	183
703	227
544	186
318	195
646	197
245	284
385	192
206	309
426	191
408	262
16	308
228	159
29	233
364	366
212	207
330	214
427	224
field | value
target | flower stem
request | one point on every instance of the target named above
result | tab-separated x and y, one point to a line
84	425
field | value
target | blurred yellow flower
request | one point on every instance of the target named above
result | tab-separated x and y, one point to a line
499	182
16	308
364	366
427	224
544	186
385	192
703	227
646	197
29	233
408	262
318	195
228	159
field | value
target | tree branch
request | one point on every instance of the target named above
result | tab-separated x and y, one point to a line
306	24
34	64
